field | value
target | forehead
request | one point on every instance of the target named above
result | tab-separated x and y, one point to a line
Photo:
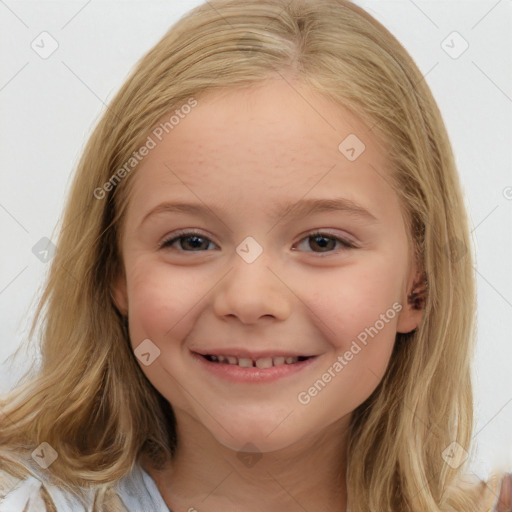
264	142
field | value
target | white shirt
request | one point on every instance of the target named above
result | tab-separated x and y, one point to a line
136	492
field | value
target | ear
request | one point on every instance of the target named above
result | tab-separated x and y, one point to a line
414	303
119	294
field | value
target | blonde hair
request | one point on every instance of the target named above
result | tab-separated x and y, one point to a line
90	400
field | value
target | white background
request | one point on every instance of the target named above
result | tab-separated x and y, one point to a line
49	107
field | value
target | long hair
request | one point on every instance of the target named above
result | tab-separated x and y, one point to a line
90	400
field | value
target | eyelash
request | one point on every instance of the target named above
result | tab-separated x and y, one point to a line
346	244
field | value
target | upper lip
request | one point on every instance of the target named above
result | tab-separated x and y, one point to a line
244	353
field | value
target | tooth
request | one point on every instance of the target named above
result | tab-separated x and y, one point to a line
244	362
222	359
291	360
232	360
213	358
278	361
266	362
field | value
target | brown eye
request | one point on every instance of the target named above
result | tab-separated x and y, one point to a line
324	242
188	242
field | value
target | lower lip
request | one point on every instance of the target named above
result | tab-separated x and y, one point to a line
235	373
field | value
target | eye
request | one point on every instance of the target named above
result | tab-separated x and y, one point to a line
188	242
191	241
325	242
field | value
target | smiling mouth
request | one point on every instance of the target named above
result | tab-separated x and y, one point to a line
264	362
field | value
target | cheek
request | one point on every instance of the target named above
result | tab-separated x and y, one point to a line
356	309
361	335
161	309
161	301
350	300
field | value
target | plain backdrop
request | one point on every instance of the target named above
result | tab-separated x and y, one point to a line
50	105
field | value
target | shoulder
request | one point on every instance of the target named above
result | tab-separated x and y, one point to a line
23	494
472	494
26	488
504	503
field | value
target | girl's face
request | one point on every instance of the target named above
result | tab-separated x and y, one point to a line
298	248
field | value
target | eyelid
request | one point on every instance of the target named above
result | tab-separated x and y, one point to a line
346	242
181	233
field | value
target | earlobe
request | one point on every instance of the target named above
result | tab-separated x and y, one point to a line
119	295
412	313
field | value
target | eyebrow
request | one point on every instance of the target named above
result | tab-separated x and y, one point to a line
302	208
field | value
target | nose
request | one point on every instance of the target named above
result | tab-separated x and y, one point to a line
252	291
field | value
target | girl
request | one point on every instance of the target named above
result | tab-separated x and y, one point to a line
258	300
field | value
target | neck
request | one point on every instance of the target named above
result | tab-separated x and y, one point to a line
205	475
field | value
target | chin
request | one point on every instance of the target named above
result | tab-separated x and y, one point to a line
252	438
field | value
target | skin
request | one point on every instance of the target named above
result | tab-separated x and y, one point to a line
243	152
